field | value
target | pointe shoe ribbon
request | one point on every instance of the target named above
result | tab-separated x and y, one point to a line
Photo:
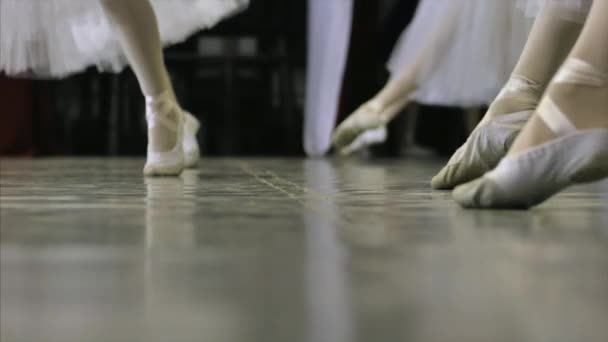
170	162
529	178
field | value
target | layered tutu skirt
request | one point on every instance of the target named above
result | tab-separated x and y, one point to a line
575	10
55	38
465	49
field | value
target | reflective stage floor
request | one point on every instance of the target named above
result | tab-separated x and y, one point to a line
290	250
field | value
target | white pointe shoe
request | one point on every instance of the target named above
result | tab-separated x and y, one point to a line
192	153
529	178
482	151
169	163
367	138
365	127
488	143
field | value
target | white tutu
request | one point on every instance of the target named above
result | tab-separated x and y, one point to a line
474	57
55	38
575	10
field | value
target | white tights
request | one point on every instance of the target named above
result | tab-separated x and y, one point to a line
584	105
137	29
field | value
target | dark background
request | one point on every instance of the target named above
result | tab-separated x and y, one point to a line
244	79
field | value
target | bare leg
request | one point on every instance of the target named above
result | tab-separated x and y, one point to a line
366	125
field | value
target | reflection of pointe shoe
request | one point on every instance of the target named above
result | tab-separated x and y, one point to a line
169	163
529	178
169	214
351	135
491	139
482	151
192	152
191	178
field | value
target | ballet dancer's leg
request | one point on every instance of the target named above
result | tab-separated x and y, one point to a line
566	141
137	29
366	125
551	39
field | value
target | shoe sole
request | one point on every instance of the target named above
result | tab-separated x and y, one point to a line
163	170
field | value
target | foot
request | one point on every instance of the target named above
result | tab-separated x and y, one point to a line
492	138
555	149
192	152
165	136
367	138
365	127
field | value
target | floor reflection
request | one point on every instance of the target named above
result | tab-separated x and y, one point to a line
328	287
290	250
184	299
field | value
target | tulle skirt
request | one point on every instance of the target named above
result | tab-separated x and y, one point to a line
55	38
463	50
575	10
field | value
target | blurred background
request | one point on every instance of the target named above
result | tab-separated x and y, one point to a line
245	79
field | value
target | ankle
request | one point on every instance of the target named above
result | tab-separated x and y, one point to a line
164	102
519	94
584	106
386	111
522	84
580	90
159	98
